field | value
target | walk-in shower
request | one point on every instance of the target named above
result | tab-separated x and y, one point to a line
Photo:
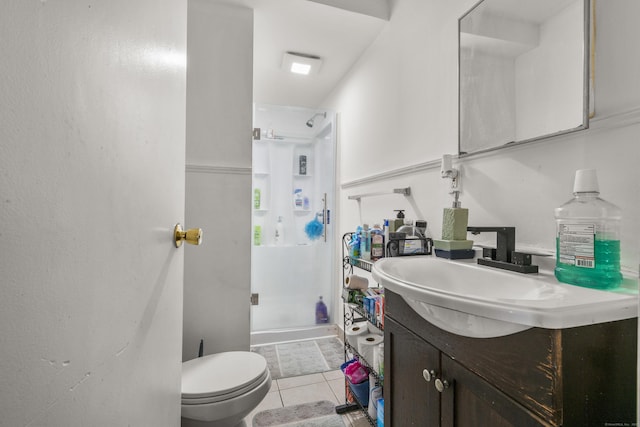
293	189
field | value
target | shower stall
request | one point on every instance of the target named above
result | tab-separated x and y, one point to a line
292	258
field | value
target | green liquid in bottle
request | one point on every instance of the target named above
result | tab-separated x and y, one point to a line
606	271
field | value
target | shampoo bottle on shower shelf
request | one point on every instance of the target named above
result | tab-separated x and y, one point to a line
321	312
257	235
279	236
588	237
256	198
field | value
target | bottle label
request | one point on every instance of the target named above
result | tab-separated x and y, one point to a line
412	246
576	244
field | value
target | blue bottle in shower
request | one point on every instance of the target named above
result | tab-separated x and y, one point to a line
321	312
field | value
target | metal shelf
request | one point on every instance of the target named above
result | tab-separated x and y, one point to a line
354	312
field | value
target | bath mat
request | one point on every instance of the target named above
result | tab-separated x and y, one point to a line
302	357
313	414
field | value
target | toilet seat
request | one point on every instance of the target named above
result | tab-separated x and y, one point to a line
221	376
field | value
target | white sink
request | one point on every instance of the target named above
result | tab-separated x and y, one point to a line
473	300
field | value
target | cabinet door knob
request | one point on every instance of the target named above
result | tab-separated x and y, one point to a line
441	385
428	374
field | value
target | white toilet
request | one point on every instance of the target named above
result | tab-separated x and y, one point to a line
219	390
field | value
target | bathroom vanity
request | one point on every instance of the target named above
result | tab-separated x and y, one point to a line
577	376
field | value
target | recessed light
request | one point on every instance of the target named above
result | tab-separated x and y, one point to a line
301	63
298	68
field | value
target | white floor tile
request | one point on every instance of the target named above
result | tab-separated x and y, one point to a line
333	375
308	393
338	388
291	382
271	401
355	419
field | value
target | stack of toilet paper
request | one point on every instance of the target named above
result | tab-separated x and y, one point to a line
367	344
354	332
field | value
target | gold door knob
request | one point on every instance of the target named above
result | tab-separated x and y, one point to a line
193	236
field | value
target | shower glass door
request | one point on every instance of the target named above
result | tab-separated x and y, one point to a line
292	224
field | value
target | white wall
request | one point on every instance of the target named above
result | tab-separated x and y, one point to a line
398	115
92	106
548	83
218	183
398	110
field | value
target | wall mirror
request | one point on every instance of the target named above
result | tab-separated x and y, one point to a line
523	71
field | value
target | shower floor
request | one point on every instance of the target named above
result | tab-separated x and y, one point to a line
292	359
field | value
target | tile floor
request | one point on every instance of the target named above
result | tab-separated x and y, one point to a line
309	388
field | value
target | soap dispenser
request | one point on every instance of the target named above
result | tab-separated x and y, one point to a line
398	222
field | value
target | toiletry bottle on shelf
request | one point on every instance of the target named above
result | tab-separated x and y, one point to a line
399	221
257	235
354	245
377	242
588	237
298	199
365	243
279	236
414	243
302	164
386	230
256	198
321	312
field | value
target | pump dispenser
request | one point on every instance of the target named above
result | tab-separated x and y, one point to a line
588	237
399	221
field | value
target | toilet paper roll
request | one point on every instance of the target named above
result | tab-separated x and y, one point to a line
366	344
354	281
373	330
353	332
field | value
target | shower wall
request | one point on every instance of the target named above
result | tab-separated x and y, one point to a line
292	271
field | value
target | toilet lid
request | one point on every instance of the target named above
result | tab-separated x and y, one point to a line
221	374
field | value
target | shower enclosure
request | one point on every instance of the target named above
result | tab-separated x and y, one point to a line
292	223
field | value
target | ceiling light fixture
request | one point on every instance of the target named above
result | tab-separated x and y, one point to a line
301	63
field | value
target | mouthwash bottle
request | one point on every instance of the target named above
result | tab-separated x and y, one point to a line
588	237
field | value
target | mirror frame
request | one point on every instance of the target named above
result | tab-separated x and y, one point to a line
588	110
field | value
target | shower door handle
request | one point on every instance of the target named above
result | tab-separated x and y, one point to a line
325	219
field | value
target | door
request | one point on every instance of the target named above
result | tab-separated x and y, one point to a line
411	367
92	160
470	401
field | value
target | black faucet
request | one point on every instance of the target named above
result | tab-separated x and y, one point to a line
504	255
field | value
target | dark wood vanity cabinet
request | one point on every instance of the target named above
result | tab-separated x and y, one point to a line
578	377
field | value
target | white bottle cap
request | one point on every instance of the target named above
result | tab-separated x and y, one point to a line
586	181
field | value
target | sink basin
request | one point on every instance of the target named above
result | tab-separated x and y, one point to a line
477	301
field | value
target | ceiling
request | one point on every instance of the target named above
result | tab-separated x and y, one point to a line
325	28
